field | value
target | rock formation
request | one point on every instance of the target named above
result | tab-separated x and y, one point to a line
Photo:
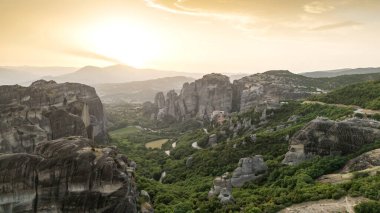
364	161
222	188
249	169
326	137
67	175
215	92
267	90
47	111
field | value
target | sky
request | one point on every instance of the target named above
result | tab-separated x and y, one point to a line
228	36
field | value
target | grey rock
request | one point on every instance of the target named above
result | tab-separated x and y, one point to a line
212	140
325	137
249	169
364	161
47	111
67	175
267	90
218	184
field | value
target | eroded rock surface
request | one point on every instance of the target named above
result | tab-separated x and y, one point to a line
222	189
67	175
249	169
215	93
364	161
266	90
326	137
47	111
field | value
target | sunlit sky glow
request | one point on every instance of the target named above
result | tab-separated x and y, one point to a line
192	35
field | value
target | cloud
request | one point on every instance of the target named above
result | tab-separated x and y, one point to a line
276	16
336	26
89	54
318	7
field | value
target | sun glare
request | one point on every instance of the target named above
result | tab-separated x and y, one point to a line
128	43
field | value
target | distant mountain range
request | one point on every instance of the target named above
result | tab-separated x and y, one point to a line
139	91
92	75
339	72
117	74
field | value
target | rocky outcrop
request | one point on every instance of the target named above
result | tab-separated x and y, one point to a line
267	90
212	140
67	175
47	111
364	161
249	169
146	206
197	99
367	164
215	93
326	137
222	188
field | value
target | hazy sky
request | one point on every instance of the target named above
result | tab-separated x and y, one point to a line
192	35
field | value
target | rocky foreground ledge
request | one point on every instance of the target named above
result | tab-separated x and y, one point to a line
67	175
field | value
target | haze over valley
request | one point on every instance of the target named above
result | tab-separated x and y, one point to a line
190	106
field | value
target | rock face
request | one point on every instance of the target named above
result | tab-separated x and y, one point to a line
222	188
326	137
249	169
215	93
365	161
67	175
47	111
267	90
197	99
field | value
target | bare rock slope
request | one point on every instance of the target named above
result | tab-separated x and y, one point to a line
47	111
326	137
67	175
215	92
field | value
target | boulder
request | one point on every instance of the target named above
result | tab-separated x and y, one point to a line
325	137
222	188
212	140
249	169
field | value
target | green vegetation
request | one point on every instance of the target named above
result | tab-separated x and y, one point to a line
365	95
185	188
327	83
368	207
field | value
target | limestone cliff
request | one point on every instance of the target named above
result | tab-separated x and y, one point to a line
326	137
267	90
215	92
47	111
197	99
67	175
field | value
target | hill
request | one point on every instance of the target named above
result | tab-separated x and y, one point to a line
139	91
339	72
366	95
116	74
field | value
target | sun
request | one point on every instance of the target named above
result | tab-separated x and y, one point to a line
124	41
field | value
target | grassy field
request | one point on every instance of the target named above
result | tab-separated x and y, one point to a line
156	144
